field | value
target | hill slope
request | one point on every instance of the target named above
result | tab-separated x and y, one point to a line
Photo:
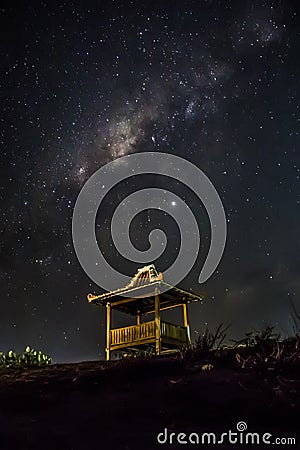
124	405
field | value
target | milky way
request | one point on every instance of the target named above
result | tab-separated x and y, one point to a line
84	84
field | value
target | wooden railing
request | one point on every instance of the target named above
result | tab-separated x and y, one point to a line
134	333
147	330
173	332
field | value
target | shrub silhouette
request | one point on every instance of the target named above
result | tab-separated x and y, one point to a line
29	358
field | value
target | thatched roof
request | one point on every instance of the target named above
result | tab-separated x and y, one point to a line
142	288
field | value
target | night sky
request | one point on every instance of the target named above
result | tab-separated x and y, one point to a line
84	83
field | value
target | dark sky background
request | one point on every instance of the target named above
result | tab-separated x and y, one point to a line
83	83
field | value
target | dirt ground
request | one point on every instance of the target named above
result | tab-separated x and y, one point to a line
126	404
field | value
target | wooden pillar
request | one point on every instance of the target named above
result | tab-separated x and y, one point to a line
138	322
157	324
186	321
108	325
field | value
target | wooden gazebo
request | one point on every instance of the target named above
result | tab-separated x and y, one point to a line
146	298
